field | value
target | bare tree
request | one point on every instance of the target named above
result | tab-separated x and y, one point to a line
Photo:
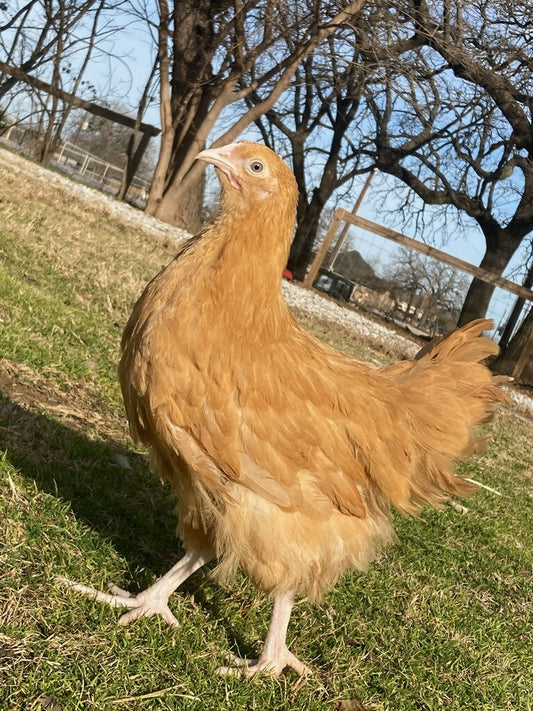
222	53
30	35
136	137
441	287
55	39
452	116
103	137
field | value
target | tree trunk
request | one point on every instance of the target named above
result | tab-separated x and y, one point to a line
175	196
512	348
46	147
517	310
182	204
506	361
497	257
304	237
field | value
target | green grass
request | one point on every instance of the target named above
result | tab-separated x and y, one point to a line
443	620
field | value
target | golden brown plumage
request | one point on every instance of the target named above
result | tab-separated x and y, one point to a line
285	455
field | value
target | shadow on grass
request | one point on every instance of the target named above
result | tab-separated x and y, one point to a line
129	507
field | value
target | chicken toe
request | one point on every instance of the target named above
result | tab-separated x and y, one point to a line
266	664
153	600
275	655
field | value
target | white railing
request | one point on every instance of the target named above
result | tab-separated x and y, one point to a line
78	161
97	171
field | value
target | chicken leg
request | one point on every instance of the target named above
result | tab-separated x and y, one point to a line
153	600
275	655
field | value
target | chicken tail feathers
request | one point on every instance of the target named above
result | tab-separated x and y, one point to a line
446	395
464	344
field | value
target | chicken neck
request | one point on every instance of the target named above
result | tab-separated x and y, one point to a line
242	264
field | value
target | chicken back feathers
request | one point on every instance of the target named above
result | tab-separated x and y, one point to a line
285	454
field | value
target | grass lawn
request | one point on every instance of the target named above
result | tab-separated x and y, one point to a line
443	620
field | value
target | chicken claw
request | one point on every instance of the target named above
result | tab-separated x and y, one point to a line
266	664
153	600
145	604
275	655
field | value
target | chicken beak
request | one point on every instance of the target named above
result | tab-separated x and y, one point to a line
220	159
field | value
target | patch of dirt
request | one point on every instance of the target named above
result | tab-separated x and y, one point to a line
27	388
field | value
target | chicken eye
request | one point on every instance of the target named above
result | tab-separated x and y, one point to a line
256	166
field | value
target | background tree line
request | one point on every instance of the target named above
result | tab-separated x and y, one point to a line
437	94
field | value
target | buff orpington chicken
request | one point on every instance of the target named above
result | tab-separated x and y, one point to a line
284	454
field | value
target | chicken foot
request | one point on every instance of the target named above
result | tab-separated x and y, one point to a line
275	655
153	600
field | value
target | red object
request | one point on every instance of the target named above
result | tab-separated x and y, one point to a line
287	274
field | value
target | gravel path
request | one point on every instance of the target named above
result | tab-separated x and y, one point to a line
126	213
373	332
295	295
